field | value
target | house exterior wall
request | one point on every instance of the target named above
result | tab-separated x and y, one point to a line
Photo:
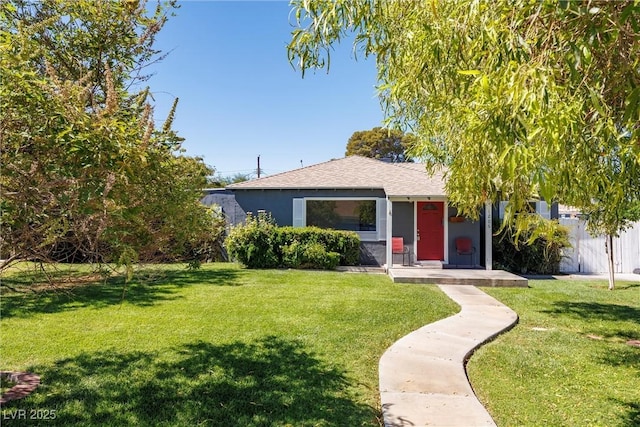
403	224
544	209
467	228
280	202
232	211
372	253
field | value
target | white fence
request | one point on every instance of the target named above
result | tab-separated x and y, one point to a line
588	254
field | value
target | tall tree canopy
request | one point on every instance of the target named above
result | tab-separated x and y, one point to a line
220	181
519	99
380	143
86	174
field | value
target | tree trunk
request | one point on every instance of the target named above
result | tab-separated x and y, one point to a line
610	256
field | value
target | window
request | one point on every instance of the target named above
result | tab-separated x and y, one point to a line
429	207
365	216
352	215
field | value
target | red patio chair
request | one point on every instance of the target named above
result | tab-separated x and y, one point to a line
464	246
398	247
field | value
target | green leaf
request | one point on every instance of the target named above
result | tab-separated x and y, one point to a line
632	105
595	101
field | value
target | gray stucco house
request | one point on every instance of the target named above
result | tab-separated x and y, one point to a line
379	201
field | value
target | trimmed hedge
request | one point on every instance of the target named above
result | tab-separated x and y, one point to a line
309	255
260	243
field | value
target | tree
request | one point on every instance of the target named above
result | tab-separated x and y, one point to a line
86	174
380	143
518	99
220	181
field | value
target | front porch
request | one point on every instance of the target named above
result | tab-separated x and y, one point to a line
444	276
423	229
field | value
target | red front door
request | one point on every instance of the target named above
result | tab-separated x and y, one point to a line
430	231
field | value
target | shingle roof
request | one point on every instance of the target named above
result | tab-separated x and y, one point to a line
355	172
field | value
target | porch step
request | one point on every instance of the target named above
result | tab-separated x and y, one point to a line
435	265
457	277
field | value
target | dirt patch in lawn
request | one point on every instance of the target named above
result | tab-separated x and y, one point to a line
24	384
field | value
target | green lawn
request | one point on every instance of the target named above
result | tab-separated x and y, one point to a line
567	362
232	347
220	346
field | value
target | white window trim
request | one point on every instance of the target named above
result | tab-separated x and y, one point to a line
299	216
365	236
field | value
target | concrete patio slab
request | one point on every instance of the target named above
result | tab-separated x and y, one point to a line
423	381
456	277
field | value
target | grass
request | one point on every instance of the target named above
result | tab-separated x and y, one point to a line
5	385
220	346
567	362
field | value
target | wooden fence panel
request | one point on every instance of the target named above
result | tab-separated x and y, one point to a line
589	255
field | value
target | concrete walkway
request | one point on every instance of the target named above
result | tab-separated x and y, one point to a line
423	381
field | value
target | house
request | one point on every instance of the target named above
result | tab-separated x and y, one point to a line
226	201
377	200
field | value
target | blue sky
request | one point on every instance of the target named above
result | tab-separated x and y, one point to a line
240	97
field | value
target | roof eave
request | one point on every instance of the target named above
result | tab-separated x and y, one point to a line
417	196
306	188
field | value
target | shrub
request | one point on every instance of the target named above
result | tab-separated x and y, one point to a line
316	256
344	243
309	255
259	243
537	249
207	245
201	239
293	254
252	243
